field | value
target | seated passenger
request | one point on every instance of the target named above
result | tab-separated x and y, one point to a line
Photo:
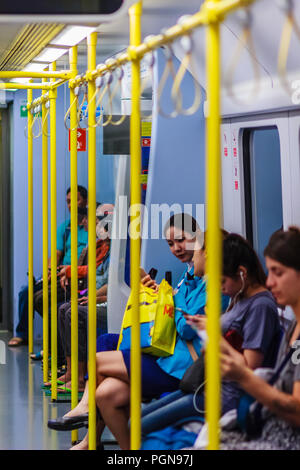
281	401
64	313
250	325
158	375
63	258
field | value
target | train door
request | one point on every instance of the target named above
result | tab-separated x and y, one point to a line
262	185
257	177
5	222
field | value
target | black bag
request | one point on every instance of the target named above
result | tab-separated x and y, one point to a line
193	376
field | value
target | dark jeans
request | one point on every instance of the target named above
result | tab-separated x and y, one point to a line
64	327
22	327
174	408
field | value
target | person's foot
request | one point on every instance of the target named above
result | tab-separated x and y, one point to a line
80	409
81	385
82	445
17	341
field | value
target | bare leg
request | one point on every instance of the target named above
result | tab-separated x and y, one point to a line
112	398
67	376
84	444
109	363
81	374
83	405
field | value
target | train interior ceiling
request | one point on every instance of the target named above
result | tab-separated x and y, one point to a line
259	150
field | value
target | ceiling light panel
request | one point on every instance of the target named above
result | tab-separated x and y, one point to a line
50	54
72	35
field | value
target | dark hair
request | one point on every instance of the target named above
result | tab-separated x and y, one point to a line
82	190
284	247
238	252
184	222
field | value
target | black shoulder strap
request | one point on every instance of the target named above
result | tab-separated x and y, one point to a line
282	365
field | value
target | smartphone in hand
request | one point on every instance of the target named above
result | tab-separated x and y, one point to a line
152	273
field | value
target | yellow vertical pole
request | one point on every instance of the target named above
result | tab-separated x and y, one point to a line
52	97
135	13
74	238
214	247
45	240
30	226
92	327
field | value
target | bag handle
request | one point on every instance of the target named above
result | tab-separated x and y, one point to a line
192	350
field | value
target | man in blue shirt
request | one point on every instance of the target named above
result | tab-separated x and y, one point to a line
63	258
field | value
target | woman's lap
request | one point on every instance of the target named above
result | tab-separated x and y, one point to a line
155	381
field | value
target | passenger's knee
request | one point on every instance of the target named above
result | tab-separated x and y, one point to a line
104	393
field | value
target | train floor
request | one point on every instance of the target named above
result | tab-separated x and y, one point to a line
25	409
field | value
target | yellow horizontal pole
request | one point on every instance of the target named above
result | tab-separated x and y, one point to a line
24	86
65	74
135	243
209	13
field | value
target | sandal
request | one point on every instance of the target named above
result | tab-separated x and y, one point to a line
63	392
16	341
37	357
48	384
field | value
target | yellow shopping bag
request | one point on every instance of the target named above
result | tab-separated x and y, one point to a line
157	324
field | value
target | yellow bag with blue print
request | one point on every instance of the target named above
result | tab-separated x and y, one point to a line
157	323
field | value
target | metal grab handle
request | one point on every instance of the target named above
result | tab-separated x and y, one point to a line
75	101
168	70
175	92
289	26
244	40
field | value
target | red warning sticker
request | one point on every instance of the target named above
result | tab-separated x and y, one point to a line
146	142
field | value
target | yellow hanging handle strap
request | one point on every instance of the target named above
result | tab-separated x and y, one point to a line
73	104
168	70
289	26
119	73
245	41
84	100
149	59
187	61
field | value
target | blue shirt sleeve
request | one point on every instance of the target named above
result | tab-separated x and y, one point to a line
260	327
191	298
60	236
